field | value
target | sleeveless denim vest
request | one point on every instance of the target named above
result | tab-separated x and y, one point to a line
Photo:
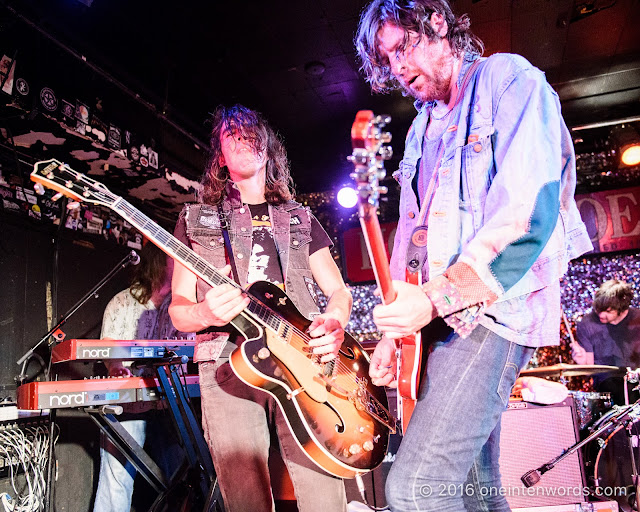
292	240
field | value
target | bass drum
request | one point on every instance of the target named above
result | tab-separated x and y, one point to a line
609	464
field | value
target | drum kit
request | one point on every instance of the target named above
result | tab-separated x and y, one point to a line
613	457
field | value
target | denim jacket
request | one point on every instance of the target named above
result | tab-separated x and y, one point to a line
201	223
502	223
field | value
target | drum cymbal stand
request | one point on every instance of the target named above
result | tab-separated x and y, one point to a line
632	376
624	418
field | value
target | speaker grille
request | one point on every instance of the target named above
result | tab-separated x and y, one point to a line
531	436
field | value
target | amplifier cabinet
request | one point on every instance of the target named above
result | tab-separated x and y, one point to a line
531	436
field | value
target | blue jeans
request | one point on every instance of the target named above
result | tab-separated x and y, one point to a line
448	458
115	480
239	422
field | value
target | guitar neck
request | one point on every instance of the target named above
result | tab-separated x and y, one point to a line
377	252
60	177
170	244
198	265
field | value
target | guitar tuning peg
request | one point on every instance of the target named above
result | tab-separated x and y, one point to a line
385	137
386	152
73	205
39	189
382	120
57	196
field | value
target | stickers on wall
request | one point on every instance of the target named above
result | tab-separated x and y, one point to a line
22	87
113	140
144	153
153	159
82	112
98	129
68	111
7	72
48	99
82	117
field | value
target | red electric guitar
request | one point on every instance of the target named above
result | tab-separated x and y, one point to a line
368	155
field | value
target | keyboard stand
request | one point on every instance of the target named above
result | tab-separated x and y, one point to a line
188	427
199	463
127	445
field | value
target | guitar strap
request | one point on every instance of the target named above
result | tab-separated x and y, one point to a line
224	226
417	249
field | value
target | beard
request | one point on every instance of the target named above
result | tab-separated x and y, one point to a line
434	83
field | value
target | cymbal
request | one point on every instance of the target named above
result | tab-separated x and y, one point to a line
569	370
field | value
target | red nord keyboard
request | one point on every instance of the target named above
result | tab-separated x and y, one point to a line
84	393
76	350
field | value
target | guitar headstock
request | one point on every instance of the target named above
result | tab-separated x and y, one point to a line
60	177
369	153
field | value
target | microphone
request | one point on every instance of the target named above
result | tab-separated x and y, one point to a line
531	478
134	258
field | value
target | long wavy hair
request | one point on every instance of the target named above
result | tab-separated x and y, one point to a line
149	274
255	129
411	16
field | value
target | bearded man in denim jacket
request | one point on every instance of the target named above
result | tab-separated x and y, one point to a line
489	168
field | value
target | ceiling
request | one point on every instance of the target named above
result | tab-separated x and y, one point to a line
165	65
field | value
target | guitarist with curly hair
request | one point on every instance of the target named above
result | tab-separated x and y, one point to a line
488	218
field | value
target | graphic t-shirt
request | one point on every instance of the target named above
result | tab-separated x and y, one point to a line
264	264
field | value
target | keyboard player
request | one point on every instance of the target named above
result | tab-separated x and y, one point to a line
138	312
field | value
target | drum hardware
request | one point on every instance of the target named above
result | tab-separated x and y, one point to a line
632	376
625	422
590	406
623	417
570	370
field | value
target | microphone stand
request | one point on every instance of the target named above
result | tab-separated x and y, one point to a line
531	478
130	259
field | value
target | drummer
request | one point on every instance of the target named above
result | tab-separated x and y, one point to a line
610	335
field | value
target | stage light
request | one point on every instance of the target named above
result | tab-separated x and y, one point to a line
631	155
627	140
347	197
